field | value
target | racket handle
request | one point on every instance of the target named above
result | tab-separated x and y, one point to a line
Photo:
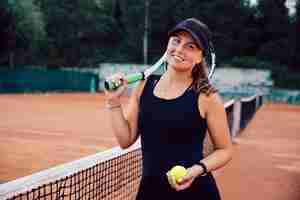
115	84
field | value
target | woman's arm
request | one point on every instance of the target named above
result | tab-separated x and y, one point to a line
213	110
124	121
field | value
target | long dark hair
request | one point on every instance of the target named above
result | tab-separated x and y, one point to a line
201	82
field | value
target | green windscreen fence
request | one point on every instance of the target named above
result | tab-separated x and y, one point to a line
21	80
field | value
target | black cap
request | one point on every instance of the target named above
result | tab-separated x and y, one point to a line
198	30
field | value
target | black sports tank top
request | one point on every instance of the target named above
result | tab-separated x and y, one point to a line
172	131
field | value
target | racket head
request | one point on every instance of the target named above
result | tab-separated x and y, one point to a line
210	59
155	67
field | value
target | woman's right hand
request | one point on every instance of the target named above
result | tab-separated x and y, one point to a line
113	96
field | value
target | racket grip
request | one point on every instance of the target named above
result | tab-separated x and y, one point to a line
115	84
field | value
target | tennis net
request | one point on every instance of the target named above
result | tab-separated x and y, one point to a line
113	174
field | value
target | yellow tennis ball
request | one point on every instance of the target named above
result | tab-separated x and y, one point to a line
178	172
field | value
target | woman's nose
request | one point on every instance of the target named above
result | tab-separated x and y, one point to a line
179	48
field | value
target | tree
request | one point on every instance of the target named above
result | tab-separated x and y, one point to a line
7	35
274	22
86	32
79	31
229	21
25	28
295	40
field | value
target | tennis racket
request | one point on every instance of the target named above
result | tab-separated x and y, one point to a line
132	78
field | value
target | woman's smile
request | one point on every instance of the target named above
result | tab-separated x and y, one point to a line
177	58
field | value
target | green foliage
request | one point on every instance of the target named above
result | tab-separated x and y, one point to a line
23	30
77	29
29	22
275	26
86	32
286	79
7	32
294	40
279	51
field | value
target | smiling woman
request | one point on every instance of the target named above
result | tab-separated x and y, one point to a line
172	113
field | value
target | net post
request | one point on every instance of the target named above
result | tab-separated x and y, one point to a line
257	102
236	118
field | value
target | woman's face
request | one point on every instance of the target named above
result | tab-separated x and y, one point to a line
182	52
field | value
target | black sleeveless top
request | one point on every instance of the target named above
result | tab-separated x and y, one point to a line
172	133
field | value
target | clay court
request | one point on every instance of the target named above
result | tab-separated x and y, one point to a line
44	130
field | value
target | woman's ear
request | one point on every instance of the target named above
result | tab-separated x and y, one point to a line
200	58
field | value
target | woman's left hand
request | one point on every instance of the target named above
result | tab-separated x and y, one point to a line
184	182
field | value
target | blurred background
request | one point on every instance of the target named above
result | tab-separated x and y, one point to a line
61	51
72	45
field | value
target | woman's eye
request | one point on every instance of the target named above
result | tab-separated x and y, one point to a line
191	46
176	41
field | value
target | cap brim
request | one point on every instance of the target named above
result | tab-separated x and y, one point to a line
194	36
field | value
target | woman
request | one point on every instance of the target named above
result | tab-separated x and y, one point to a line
172	114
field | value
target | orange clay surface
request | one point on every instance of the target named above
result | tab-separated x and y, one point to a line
266	160
40	131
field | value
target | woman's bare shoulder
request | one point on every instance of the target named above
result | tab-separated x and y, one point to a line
207	102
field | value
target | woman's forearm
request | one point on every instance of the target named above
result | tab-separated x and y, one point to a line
217	159
120	127
123	121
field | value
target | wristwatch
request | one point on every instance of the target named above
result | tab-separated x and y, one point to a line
205	171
